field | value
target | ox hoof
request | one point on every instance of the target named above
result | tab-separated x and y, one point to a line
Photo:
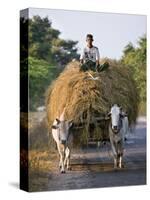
69	168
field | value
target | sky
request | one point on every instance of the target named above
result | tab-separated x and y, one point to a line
112	32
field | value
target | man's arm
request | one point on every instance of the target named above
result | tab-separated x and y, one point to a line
82	57
97	57
81	61
97	62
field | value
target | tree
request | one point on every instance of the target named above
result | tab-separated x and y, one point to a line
40	75
135	57
43	56
44	42
128	49
63	50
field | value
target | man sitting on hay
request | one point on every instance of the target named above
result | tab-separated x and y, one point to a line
90	57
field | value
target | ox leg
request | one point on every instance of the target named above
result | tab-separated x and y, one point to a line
113	146
59	152
120	162
115	162
67	152
65	160
61	162
120	154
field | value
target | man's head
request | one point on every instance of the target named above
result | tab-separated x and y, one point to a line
89	39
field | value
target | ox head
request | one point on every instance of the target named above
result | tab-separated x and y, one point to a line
63	129
115	116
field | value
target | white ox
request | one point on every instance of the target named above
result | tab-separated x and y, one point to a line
118	127
60	133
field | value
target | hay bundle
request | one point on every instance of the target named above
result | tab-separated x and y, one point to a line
87	100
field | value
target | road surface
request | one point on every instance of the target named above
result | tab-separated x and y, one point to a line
93	167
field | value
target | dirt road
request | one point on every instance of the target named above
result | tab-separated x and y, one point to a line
93	167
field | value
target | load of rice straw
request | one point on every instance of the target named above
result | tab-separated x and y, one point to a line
88	100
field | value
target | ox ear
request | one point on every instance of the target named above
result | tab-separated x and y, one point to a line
58	121
124	115
53	127
121	115
108	116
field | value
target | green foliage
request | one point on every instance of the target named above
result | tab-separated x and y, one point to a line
128	48
40	75
64	50
44	42
135	58
44	54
